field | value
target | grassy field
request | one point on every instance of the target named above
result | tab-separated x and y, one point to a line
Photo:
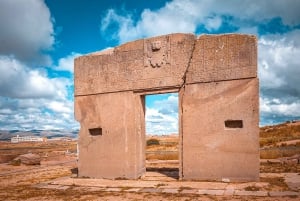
281	140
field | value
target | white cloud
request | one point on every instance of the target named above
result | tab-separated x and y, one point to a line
279	77
186	16
26	30
213	23
279	63
67	63
63	107
19	81
159	123
276	107
162	117
29	99
36	114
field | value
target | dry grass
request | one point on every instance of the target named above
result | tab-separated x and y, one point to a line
165	149
270	135
162	156
275	140
278	152
252	188
37	147
279	167
275	183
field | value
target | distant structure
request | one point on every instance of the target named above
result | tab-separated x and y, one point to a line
18	139
66	139
216	80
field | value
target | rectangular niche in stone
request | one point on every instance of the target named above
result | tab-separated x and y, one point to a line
95	131
234	124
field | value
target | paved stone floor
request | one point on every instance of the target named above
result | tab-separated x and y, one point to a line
154	182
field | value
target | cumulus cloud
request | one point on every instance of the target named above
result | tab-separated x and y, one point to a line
279	65
19	81
67	63
26	30
162	116
187	16
277	107
279	77
29	99
30	114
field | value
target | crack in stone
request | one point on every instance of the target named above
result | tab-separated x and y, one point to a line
189	63
181	95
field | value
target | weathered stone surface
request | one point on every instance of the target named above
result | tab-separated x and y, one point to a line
118	152
217	151
251	193
189	191
225	57
211	192
158	62
283	193
170	190
216	78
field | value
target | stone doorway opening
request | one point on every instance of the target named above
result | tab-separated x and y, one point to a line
162	136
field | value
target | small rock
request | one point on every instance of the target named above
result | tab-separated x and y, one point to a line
226	180
29	159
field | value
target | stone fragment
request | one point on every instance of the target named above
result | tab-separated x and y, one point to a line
251	193
210	192
283	193
29	159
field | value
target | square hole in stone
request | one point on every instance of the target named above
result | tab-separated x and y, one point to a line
234	123
95	131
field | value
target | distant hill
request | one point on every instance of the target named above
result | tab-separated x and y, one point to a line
280	134
6	135
284	131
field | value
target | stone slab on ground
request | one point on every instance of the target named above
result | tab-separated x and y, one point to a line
133	190
50	186
151	190
251	193
189	191
106	183
241	186
183	187
229	192
197	185
113	189
91	188
210	192
170	190
283	193
292	180
159	178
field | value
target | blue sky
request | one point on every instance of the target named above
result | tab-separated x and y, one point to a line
39	40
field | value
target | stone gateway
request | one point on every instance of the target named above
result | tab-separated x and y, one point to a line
216	78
